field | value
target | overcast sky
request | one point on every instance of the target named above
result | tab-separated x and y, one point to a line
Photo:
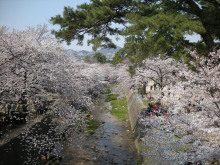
19	14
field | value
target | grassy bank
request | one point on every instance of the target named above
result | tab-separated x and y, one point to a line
119	108
106	91
111	97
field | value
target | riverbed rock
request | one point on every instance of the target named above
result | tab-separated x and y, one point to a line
102	133
217	124
93	147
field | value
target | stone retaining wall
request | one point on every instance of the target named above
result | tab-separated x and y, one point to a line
134	107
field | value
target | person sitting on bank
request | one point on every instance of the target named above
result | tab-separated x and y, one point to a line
157	109
155	85
149	110
40	109
132	87
139	88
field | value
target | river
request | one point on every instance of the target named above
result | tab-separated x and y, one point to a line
112	143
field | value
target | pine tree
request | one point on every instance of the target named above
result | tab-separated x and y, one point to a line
150	26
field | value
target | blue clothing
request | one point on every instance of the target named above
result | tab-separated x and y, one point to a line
147	108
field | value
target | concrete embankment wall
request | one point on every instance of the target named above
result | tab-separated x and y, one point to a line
135	108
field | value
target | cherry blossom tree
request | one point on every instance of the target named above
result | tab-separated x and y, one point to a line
199	91
193	113
120	74
159	69
33	64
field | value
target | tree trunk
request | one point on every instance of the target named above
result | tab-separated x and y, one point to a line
208	40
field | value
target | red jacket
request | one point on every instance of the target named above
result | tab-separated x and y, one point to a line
155	107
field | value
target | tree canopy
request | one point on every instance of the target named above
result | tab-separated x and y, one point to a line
149	26
100	57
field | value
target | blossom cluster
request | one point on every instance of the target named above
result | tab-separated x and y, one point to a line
34	69
191	98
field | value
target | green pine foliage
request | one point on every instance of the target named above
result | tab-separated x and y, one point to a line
100	57
149	27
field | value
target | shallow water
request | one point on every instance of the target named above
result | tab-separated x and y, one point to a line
25	148
111	144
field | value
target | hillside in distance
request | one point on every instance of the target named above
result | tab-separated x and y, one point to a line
80	55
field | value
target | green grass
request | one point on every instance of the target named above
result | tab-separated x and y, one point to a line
92	126
119	108
106	91
180	136
111	97
146	102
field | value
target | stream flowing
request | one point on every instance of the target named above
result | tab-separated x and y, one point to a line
112	143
